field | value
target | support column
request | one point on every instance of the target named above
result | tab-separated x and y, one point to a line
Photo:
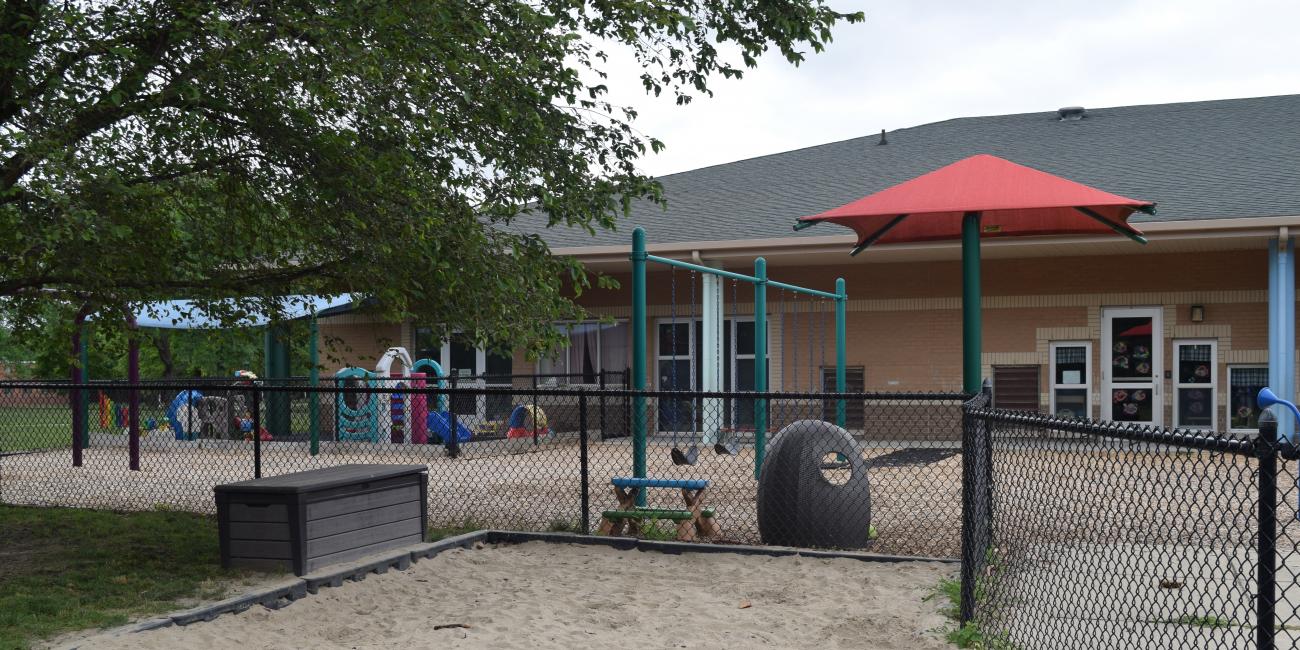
638	359
79	422
277	371
971	328
84	358
841	318
313	375
133	399
760	363
1281	328
712	356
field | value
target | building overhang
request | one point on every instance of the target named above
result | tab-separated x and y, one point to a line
1189	236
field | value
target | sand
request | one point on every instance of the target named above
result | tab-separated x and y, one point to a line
540	595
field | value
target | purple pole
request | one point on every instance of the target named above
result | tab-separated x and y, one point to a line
78	376
133	403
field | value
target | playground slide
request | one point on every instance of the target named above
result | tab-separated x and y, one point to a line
184	399
440	425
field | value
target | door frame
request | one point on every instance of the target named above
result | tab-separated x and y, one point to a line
1086	386
1213	386
1108	383
480	366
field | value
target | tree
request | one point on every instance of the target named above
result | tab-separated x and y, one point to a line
251	149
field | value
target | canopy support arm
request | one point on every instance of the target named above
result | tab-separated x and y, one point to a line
875	236
1121	229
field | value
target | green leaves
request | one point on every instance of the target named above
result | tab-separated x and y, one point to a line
159	149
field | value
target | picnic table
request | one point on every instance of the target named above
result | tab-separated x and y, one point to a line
694	521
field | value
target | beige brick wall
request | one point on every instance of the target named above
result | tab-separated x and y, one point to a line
357	344
904	319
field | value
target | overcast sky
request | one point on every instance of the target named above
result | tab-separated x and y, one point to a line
919	61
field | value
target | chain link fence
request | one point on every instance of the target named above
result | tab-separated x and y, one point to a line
513	457
1100	535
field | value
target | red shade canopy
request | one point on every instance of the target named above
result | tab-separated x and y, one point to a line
1013	200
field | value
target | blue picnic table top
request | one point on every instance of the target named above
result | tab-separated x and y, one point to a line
685	484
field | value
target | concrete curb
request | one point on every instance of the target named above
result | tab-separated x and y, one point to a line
677	548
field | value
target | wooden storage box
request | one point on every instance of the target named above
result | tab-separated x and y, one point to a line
311	519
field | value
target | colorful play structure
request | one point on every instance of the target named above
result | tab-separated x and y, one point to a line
192	415
400	417
187	315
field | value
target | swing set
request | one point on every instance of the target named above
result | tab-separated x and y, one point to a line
712	319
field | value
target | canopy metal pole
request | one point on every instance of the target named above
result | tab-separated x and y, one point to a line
133	396
77	377
841	316
760	363
313	374
970	303
638	359
84	360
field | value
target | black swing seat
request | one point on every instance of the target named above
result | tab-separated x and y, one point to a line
687	457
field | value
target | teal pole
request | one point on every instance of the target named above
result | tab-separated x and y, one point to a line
971	334
760	363
638	359
277	371
841	317
313	374
83	358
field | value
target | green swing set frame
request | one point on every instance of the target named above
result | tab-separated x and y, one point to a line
760	283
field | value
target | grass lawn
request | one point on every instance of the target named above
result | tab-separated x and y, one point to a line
68	569
35	427
26	428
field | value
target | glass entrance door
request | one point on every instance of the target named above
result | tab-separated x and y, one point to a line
1132	367
474	367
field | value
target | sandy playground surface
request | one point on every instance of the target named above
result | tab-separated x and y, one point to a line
540	595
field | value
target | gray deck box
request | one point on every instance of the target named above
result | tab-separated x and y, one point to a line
311	519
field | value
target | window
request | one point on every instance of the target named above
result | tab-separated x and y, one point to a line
1244	383
1071	395
593	346
1194	384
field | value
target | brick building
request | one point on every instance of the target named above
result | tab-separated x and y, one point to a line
1174	332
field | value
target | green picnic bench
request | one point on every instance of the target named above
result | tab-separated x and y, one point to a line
694	521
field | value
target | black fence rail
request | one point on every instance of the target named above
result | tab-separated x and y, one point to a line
498	456
1098	535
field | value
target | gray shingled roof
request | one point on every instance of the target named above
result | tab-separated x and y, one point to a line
1199	160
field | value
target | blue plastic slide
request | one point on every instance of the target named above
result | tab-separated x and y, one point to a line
440	425
174	409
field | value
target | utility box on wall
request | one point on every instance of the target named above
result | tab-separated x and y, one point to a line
307	520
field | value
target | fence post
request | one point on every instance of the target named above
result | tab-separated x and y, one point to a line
987	441
534	409
602	404
452	444
1266	579
973	541
582	461
257	432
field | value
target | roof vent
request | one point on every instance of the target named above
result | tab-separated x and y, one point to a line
882	138
1070	113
